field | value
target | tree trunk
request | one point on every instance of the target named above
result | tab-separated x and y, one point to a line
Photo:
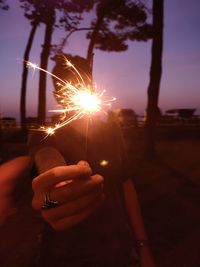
93	40
1	141
43	76
25	76
94	36
155	77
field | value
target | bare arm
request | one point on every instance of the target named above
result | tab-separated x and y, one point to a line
134	212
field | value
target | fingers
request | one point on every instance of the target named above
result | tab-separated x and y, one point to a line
59	174
67	222
71	191
77	191
72	208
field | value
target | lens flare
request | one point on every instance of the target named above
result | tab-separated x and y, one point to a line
79	100
87	101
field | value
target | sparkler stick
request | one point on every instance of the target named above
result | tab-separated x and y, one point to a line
86	138
80	98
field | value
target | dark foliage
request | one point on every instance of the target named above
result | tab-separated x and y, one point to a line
121	20
4	5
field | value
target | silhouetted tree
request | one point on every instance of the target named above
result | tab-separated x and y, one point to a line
45	11
33	12
4	5
117	21
155	77
49	23
69	21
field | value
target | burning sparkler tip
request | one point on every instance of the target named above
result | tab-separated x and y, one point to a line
79	98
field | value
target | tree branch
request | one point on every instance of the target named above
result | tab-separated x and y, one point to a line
70	33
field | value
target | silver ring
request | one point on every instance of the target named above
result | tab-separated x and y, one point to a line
49	203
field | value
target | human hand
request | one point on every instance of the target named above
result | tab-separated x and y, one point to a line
78	192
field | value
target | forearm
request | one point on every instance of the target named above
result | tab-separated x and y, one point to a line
134	212
133	209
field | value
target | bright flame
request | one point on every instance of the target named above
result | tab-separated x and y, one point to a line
88	101
80	98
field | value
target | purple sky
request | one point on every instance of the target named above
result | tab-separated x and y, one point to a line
124	75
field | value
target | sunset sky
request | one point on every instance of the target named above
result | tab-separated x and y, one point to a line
124	75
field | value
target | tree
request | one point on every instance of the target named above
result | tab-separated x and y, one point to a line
4	5
155	77
37	11
49	20
32	13
69	21
42	11
117	21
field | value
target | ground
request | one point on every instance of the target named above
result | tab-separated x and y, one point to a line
169	192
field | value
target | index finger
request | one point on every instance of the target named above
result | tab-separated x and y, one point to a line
50	178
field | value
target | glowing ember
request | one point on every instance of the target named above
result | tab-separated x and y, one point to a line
79	98
104	163
50	131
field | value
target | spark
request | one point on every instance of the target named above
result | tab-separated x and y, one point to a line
50	131
104	163
79	100
32	65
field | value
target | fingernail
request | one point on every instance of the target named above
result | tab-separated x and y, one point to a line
84	163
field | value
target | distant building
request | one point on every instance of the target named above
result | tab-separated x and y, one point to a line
8	122
31	122
125	117
180	117
182	112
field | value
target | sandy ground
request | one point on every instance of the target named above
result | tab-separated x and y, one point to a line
168	190
169	193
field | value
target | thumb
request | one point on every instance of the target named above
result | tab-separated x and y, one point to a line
84	163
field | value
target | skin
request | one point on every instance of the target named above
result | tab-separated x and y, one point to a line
77	190
134	212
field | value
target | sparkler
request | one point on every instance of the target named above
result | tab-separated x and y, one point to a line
80	99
